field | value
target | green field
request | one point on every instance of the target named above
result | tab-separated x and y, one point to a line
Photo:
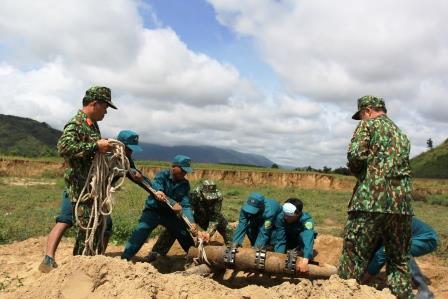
28	209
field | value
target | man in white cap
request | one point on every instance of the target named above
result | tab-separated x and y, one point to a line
294	230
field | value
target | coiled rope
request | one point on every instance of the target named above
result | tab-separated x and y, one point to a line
98	189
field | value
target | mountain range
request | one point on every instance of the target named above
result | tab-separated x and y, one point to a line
29	138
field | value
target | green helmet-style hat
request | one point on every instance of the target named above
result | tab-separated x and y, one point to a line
368	101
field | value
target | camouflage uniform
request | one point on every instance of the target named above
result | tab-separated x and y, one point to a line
77	145
206	202
380	207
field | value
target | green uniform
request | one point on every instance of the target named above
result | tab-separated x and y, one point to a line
207	214
78	147
380	207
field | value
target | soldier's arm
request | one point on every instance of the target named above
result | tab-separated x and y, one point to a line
241	229
358	150
69	145
279	235
307	238
377	262
158	184
186	206
264	232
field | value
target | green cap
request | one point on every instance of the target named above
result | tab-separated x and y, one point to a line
100	93
368	101
254	203
183	162
130	140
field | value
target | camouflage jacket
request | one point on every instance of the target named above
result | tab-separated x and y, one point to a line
206	211
77	146
378	156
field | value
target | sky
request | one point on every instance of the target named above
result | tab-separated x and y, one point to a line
279	78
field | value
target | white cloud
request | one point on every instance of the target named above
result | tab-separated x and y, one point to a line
336	51
326	54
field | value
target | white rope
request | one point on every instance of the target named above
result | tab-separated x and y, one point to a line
202	257
98	188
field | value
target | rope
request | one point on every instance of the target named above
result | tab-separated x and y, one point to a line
98	189
202	257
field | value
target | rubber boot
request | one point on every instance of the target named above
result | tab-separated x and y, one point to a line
423	290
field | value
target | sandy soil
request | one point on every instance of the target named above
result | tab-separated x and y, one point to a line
109	276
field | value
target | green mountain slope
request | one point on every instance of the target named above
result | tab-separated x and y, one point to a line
26	137
29	138
432	163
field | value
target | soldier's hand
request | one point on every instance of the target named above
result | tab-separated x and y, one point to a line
177	208
303	266
194	229
103	146
205	236
160	196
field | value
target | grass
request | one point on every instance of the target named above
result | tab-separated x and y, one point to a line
29	211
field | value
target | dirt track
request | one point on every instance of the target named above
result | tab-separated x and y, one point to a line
108	276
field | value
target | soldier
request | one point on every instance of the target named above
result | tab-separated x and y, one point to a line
380	207
65	218
80	141
294	230
171	185
423	241
256	220
206	202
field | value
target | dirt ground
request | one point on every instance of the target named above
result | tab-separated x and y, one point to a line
109	276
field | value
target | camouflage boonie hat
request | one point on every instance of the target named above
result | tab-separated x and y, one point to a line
368	101
99	93
209	190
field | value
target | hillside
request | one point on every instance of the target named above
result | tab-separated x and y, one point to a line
201	154
432	163
29	138
26	137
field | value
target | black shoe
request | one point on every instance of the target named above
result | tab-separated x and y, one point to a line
151	257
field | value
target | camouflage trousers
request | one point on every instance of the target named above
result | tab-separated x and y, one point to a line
84	211
166	240
363	231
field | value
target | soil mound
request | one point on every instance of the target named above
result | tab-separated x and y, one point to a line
105	277
109	276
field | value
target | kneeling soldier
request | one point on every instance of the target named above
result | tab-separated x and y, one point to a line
294	229
206	202
256	220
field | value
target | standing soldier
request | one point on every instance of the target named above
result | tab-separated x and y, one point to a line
423	241
257	218
380	207
206	202
65	219
80	141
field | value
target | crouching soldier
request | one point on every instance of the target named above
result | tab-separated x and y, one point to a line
257	217
294	230
423	241
171	186
206	202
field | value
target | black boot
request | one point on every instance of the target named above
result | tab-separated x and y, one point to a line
423	290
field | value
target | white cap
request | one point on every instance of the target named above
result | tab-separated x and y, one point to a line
289	209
